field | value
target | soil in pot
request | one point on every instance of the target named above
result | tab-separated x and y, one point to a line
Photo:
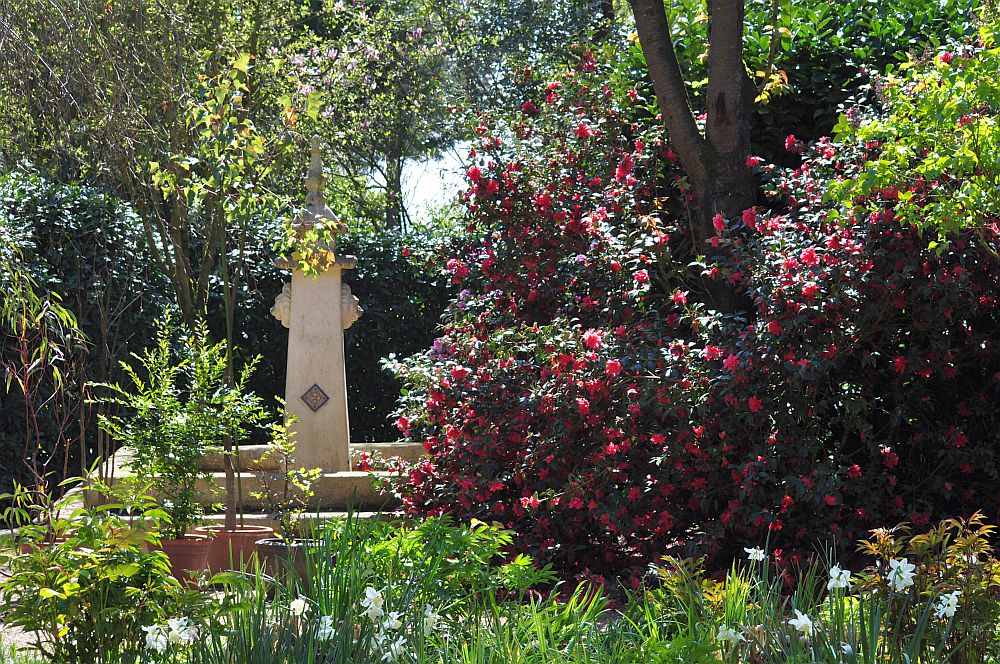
232	549
283	556
188	556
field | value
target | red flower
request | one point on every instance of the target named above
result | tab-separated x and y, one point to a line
593	339
575	504
809	289
459	373
680	297
475	174
830	500
583	130
947	57
755	404
854	472
613	368
899	365
530	501
753	160
583	406
642	277
712	352
774	327
809	256
624	168
731	363
719	222
403	424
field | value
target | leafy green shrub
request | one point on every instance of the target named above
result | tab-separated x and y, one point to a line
86	597
174	412
87	248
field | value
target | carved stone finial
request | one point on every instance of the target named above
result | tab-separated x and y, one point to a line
314	176
317	211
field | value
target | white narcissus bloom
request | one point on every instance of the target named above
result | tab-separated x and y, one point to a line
393	649
947	604
729	634
156	638
756	554
901	573
431	620
325	630
392	622
839	578
372	603
802	623
181	631
299	607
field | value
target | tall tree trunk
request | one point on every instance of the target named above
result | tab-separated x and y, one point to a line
716	161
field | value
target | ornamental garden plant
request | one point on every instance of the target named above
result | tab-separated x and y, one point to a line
585	395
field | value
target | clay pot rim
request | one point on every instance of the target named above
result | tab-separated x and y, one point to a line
189	539
249	528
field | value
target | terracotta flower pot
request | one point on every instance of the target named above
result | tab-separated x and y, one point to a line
279	556
29	547
232	549
188	556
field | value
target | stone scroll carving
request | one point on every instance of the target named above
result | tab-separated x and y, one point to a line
282	309
350	309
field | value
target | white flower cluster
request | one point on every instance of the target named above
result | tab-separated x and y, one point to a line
387	632
177	632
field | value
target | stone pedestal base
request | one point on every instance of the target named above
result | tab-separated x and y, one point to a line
334	492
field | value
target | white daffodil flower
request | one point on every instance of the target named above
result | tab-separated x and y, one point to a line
839	578
729	634
181	631
393	649
392	622
325	630
372	603
299	607
755	555
901	573
947	604
431	620
802	623
156	638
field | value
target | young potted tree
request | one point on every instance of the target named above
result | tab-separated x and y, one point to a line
237	409
285	493
172	414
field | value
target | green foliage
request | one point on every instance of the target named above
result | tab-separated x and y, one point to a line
936	145
40	349
285	493
812	60
174	412
84	597
85	250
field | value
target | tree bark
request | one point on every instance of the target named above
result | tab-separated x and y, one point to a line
716	161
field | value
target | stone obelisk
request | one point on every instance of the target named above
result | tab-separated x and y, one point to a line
316	310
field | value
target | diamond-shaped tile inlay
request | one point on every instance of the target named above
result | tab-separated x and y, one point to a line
315	398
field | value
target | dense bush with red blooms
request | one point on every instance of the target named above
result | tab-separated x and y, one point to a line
582	395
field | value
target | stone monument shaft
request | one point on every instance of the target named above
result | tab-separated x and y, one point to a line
316	310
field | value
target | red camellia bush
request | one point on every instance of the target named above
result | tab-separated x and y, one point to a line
581	394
